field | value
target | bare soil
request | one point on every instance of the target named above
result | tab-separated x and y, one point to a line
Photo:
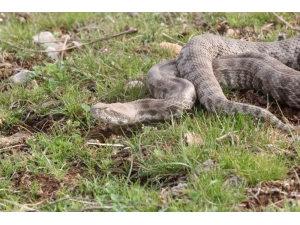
274	194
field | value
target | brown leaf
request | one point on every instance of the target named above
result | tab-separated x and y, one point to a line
134	84
192	138
5	65
16	138
222	27
230	33
173	47
178	189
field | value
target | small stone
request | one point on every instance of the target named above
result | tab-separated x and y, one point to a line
21	77
47	40
51	54
43	37
206	166
22	19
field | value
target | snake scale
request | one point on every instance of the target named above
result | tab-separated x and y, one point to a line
206	63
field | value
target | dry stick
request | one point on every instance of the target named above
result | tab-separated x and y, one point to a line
104	144
286	23
95	208
55	202
100	208
22	207
129	31
12	146
85	201
80	200
173	39
65	43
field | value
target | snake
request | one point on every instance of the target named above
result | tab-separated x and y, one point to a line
204	65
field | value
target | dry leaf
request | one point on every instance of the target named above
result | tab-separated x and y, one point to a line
267	28
192	138
16	138
177	190
230	33
164	196
134	84
5	65
222	27
173	47
25	15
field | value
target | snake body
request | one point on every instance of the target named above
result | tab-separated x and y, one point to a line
206	63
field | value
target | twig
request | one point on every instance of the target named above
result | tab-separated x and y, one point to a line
65	43
84	201
180	42
95	208
101	207
229	135
92	202
280	151
286	23
104	144
12	146
52	203
22	207
129	31
6	189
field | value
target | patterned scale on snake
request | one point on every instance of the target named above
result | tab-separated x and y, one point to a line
206	63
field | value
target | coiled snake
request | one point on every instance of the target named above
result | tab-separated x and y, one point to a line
206	63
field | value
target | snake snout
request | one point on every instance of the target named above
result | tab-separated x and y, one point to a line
109	113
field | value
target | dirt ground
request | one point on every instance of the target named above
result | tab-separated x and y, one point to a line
274	193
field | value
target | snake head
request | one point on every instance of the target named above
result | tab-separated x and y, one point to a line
115	113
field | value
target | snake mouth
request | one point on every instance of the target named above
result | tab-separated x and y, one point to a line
110	113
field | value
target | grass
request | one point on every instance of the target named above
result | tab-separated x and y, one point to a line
57	165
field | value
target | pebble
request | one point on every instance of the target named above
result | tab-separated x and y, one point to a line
21	77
